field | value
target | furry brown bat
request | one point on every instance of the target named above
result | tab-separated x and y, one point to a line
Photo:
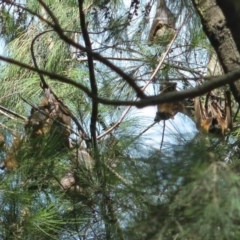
163	25
166	111
213	118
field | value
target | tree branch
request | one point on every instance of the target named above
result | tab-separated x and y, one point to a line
97	56
92	78
221	38
214	82
57	28
29	11
44	84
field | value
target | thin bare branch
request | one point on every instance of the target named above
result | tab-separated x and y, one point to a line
164	55
44	84
97	56
92	78
4	110
29	11
50	13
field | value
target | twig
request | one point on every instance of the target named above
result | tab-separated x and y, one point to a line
114	58
164	55
145	130
5	110
164	126
30	11
43	82
44	85
122	179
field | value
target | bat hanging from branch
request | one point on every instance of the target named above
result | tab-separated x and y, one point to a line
163	25
212	117
203	117
166	111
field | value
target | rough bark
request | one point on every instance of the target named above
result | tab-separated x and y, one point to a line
231	11
216	28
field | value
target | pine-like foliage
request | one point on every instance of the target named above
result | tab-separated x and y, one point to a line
78	159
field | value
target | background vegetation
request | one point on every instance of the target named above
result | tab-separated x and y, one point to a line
124	176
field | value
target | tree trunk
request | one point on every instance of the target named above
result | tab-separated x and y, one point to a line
231	11
216	28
